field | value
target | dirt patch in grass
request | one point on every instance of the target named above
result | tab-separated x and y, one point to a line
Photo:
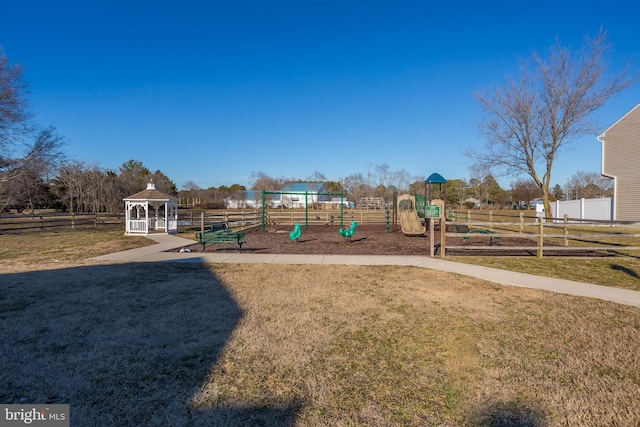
191	344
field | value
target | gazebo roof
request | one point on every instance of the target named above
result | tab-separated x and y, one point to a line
151	194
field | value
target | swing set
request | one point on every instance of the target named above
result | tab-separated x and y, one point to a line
306	203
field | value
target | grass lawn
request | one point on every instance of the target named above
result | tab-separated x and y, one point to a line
617	272
620	271
49	249
198	345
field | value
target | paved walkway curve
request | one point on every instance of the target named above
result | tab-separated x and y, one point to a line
155	253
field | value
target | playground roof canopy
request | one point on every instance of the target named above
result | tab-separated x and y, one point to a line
435	178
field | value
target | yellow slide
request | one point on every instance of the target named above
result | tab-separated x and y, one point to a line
408	216
411	223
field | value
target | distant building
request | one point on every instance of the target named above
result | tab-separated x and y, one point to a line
371	203
621	161
250	199
291	196
303	192
472	201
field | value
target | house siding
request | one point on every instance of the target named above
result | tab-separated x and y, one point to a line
621	160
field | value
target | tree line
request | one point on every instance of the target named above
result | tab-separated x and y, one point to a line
78	187
480	191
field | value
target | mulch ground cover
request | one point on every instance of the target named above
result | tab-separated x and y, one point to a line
374	240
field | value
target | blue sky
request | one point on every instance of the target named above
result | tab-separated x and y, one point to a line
211	91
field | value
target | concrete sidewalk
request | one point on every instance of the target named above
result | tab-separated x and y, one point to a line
157	252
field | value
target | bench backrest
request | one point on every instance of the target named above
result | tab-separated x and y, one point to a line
218	226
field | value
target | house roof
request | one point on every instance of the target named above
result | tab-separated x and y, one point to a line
150	193
602	135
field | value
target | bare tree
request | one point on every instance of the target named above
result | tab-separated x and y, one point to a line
589	185
382	175
14	108
317	177
69	185
356	187
25	150
262	181
524	191
401	179
112	192
86	188
190	186
22	181
478	184
531	120
457	188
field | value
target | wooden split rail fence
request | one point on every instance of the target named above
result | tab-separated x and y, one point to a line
547	235
51	221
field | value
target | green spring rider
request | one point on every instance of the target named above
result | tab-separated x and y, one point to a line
348	232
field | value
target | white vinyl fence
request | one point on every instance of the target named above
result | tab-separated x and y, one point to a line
596	209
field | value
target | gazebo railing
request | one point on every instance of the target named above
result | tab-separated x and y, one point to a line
138	225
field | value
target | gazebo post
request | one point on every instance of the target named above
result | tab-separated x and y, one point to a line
127	217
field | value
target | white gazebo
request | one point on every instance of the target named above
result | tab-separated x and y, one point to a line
150	212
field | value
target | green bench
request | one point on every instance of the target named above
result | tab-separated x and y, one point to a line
218	226
220	234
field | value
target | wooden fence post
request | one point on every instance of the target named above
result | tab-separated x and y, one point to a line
540	237
202	222
490	220
521	222
432	238
443	231
566	229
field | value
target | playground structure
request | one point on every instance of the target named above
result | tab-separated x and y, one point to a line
406	210
408	215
